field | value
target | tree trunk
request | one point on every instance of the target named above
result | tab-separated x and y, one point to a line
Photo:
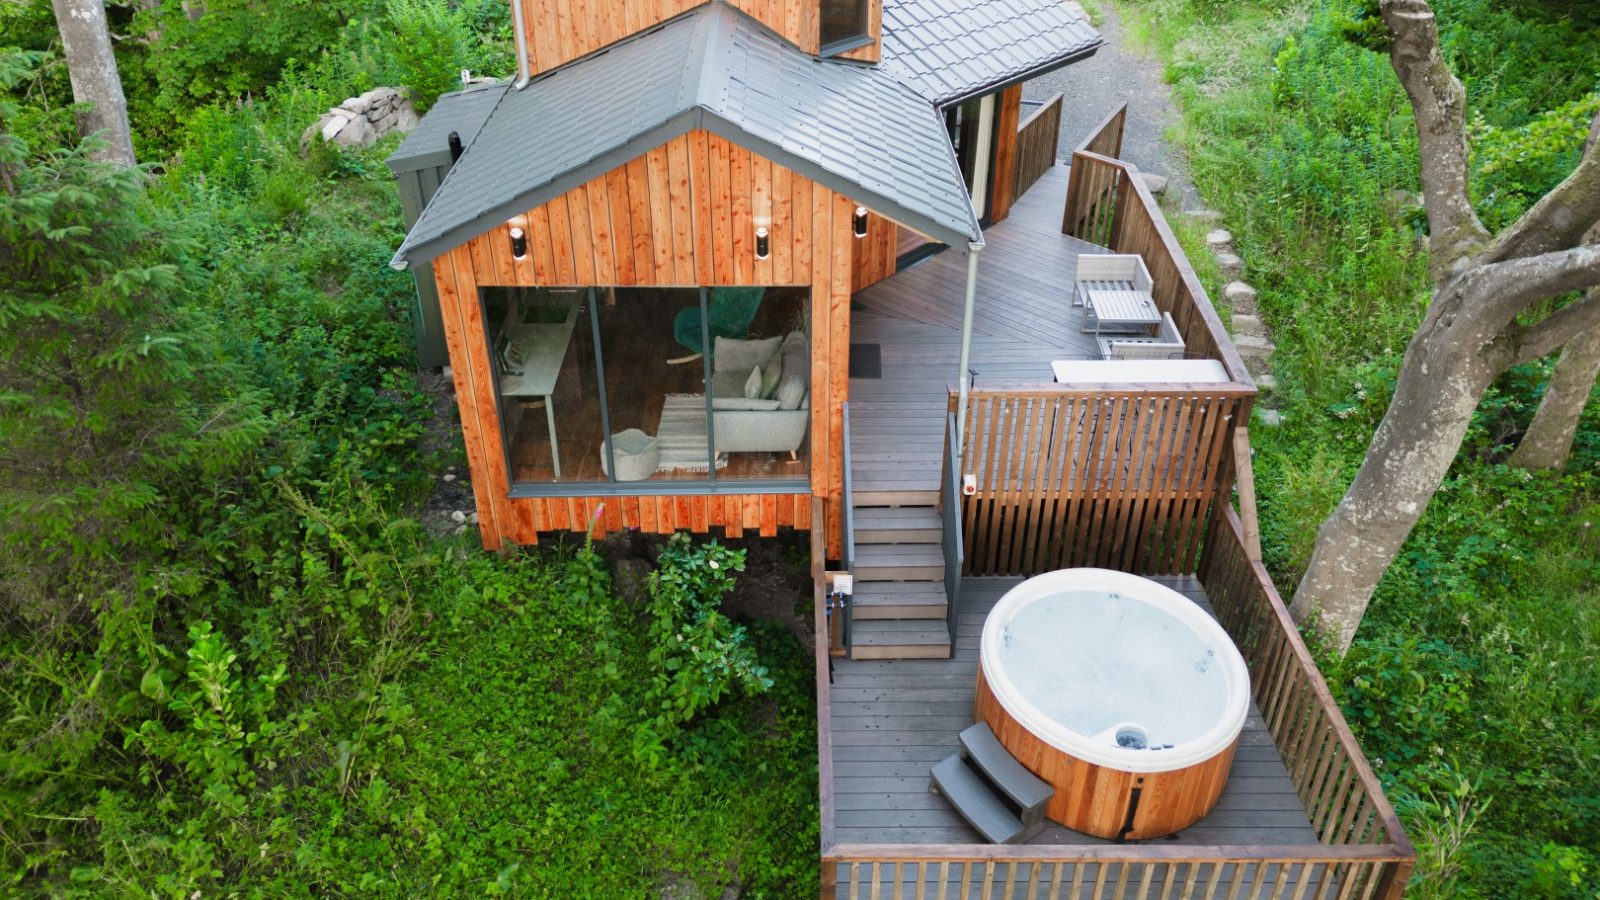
1440	384
95	82
1548	443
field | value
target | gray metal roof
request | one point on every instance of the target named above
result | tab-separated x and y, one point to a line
850	127
463	112
954	49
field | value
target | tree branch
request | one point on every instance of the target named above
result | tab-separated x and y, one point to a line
1504	289
1439	104
1561	217
1556	329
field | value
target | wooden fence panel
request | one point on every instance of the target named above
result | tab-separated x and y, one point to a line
1106	138
1116	477
1038	139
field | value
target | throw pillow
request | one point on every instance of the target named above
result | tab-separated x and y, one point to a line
771	374
791	393
752	385
728	355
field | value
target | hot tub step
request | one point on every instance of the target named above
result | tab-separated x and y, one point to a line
1025	790
899	639
977	802
900	600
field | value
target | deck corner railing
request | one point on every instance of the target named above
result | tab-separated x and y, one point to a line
1038	138
847	515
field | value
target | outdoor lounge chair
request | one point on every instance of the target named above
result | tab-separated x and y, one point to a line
1168	344
1109	271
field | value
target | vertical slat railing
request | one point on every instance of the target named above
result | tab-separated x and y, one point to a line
950	511
1038	139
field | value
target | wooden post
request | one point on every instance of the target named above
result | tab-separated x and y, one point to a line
1005	153
1245	480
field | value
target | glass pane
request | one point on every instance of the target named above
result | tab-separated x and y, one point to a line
542	350
843	20
761	390
655	383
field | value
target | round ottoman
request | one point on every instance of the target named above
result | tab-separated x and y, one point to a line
636	454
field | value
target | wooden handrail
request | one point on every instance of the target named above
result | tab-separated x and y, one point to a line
950	517
822	658
1038	140
847	505
1106	137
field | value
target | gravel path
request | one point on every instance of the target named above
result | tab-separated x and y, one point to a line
1094	87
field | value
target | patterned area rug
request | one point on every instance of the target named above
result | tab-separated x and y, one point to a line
682	434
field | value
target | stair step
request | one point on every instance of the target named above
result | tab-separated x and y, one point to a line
984	751
976	801
900	600
899	562
899	639
866	495
898	525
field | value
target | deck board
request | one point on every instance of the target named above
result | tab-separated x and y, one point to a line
893	719
1023	319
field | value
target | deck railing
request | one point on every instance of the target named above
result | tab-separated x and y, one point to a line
1114	476
1106	138
847	529
950	516
1363	852
1108	204
1038	138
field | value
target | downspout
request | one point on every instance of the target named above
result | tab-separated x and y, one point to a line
518	26
966	343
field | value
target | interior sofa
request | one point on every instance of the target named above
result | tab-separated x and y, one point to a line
761	394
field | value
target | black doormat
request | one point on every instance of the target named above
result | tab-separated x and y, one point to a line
866	361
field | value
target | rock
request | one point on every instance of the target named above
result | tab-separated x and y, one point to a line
1248	324
1230	265
362	120
449	476
473	518
1219	240
1266	383
1253	346
459	530
1269	417
359	133
458	516
1202	215
1240	296
1156	183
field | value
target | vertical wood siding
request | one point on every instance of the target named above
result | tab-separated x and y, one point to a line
684	214
560	31
875	253
1005	153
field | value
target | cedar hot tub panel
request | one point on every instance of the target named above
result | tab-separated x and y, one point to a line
1095	799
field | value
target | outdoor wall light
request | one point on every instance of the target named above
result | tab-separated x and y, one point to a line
763	246
861	221
519	244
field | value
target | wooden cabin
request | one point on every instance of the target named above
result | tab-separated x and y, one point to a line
759	161
736	267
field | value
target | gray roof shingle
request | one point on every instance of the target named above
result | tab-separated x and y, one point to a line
855	129
953	49
463	112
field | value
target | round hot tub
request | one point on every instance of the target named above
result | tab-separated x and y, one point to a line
1121	693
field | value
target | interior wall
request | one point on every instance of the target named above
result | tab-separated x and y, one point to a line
683	214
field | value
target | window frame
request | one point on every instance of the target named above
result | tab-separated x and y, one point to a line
861	38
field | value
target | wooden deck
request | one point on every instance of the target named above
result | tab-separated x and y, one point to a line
892	720
1023	319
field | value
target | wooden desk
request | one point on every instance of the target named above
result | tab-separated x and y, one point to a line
542	348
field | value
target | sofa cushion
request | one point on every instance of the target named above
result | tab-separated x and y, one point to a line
796	371
771	374
742	404
752	385
730	355
791	394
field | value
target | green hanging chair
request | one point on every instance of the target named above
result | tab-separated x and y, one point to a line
731	309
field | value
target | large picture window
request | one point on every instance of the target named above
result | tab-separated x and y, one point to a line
607	387
843	25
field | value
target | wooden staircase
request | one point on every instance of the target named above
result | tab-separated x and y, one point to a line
900	609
